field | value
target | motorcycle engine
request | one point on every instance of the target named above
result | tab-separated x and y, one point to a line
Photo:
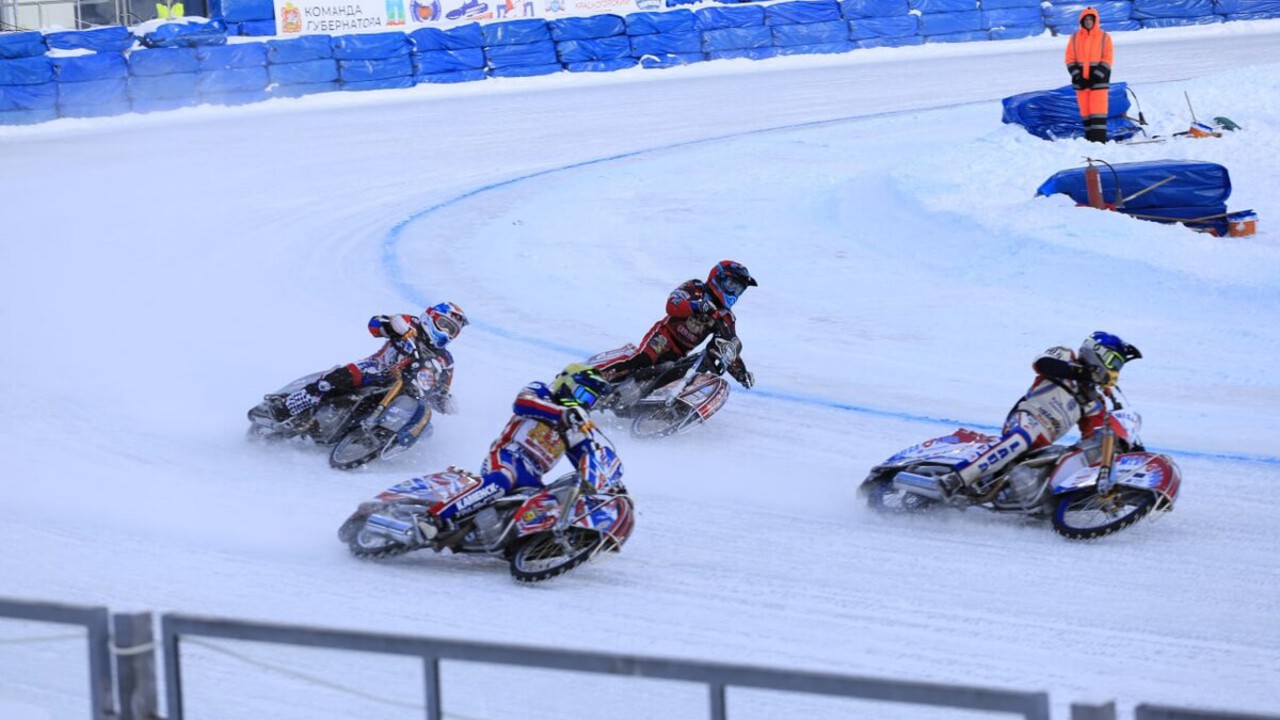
1025	484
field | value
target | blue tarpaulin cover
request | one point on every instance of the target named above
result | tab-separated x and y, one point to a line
1144	9
873	8
597	50
515	32
526	55
587	28
455	38
738	38
373	46
952	22
21	44
1175	190
677	43
28	97
1053	114
307	47
734	16
350	71
802	11
93	92
94	66
1231	7
1109	12
304	72
162	87
26	71
943	6
190	34
162	61
650	23
439	61
221	57
884	27
231	81
104	39
819	33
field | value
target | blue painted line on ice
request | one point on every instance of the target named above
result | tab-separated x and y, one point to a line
391	265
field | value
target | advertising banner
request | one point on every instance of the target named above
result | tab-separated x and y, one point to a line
343	17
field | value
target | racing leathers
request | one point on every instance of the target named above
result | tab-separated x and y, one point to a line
692	316
539	433
1064	393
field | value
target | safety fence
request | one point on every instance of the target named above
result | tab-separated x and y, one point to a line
128	691
228	60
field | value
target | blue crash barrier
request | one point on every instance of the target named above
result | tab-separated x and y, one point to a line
178	64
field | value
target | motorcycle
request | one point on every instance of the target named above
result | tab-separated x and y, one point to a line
674	396
1093	488
542	532
360	426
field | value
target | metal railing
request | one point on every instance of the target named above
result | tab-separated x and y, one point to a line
94	620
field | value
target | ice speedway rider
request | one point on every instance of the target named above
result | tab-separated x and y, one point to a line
1065	391
547	423
693	311
408	337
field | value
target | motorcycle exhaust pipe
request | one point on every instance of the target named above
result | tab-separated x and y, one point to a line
391	527
924	485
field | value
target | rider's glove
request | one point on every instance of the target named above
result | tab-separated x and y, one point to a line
443	402
398	328
742	375
1098	375
574	417
701	306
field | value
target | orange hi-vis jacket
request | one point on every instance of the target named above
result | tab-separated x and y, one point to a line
1089	47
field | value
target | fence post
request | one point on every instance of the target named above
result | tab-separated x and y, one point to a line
135	652
1106	711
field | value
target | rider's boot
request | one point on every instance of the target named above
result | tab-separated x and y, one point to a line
952	484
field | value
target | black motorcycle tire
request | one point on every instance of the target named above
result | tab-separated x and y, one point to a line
367	545
356	448
541	556
1120	508
661	421
883	497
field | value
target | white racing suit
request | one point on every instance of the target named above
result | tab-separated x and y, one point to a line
1057	399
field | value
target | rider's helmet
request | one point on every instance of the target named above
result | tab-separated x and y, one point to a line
1106	351
443	322
579	385
726	282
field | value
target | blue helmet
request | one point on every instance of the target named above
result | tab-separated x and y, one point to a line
727	280
1106	351
443	322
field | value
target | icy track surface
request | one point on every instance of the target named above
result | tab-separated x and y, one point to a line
162	273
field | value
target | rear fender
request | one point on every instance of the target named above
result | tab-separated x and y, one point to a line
609	356
961	445
431	489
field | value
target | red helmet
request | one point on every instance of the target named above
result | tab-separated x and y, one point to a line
727	280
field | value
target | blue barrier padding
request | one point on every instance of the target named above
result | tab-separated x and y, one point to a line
111	109
953	22
1237	7
684	41
294	90
598	50
886	27
28	97
943	6
530	54
959	37
222	57
150	105
163	61
1053	114
234	97
818	33
671	60
240	10
27	117
453	77
233	80
15	45
106	39
26	71
741	38
1012	17
456	38
515	32
1109	11
878	42
438	61
850	9
801	11
307	47
305	72
1009	4
192	34
1109	26
94	66
1016	33
374	46
1148	9
817	48
93	92
652	23
526	70
366	70
162	87
601	65
743	53
256	28
385	83
1260	15
734	16
587	28
1181	21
